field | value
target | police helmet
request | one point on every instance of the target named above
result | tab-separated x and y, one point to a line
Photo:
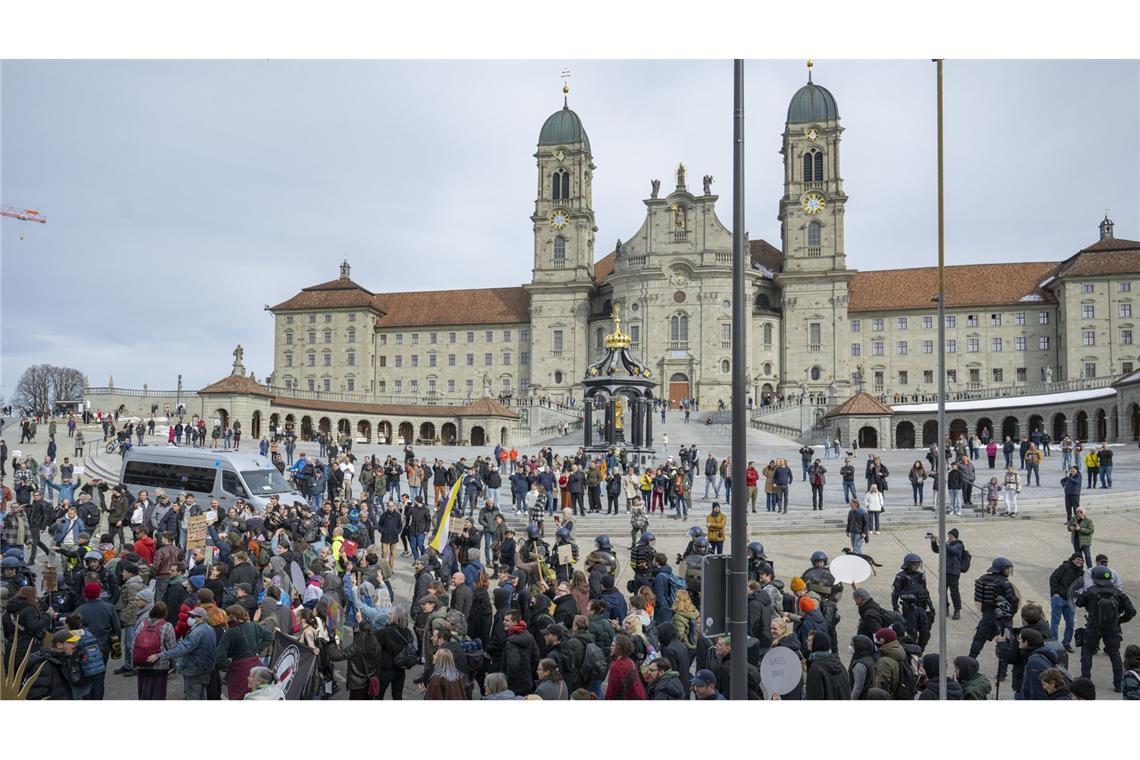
695	531
911	559
10	563
756	548
603	543
93	555
1000	565
701	544
1101	576
818	557
563	534
647	538
532	530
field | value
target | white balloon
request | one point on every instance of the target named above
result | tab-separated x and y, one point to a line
850	568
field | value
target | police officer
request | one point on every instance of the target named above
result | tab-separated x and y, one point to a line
600	563
693	565
563	571
756	561
1107	607
999	602
533	547
819	580
641	560
695	532
11	568
910	591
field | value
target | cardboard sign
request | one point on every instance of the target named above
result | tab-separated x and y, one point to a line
565	554
211	517
51	583
455	525
780	670
196	531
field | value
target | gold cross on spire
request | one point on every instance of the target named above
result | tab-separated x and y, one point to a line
565	86
810	63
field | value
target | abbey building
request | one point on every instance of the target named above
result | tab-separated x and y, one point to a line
817	326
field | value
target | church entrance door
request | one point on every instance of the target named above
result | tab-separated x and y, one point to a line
678	389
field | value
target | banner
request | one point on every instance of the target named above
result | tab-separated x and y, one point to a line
294	663
442	524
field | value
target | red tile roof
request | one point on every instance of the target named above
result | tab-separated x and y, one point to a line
453	307
966	285
1105	257
861	404
237	384
334	294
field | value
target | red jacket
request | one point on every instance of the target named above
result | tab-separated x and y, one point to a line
145	548
751	477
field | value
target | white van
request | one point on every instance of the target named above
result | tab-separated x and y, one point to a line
207	473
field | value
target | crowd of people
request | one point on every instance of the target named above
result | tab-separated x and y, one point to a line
495	615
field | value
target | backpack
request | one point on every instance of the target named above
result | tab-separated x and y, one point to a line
967	558
472	650
90	656
1106	611
894	621
148	641
676	583
407	657
594	666
907	686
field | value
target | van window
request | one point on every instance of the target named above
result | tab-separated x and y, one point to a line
173	477
265	482
231	484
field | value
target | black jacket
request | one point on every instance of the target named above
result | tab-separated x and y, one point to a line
363	658
1063	577
520	662
870	619
954	550
31	623
675	650
52	682
856	522
668	686
827	678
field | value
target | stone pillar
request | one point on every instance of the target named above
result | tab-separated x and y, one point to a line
635	412
610	425
588	424
648	442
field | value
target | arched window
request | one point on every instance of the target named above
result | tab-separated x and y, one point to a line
768	369
813	166
767	333
679	328
815	230
599	337
555	186
565	184
762	301
559	249
725	367
816	372
557	376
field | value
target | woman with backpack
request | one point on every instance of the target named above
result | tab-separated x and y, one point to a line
685	619
153	635
395	655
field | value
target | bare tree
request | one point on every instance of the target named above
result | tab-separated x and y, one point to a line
42	385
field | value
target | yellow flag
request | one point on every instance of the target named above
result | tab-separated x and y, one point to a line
440	536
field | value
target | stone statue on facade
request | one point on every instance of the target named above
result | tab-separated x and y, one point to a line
239	352
486	384
680	217
1049	374
655	185
681	176
708	180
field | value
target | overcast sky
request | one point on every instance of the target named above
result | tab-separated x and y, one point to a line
182	197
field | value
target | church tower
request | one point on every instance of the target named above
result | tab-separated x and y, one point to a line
815	275
563	275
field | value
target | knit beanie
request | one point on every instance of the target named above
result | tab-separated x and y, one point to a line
807	604
91	591
798	584
885	635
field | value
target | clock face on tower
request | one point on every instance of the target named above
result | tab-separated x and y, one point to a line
560	155
811	133
558	218
812	203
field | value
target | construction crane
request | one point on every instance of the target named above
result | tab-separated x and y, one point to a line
25	214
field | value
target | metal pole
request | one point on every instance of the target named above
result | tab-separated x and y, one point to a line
738	575
941	506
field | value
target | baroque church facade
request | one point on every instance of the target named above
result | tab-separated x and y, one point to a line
816	326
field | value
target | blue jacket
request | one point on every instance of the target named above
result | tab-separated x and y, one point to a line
812	621
1072	485
782	476
547	481
616	608
195	653
77	527
1041	660
661	611
471	573
519	484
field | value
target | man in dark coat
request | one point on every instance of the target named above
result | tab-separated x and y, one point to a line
826	676
664	682
52	682
675	650
520	655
